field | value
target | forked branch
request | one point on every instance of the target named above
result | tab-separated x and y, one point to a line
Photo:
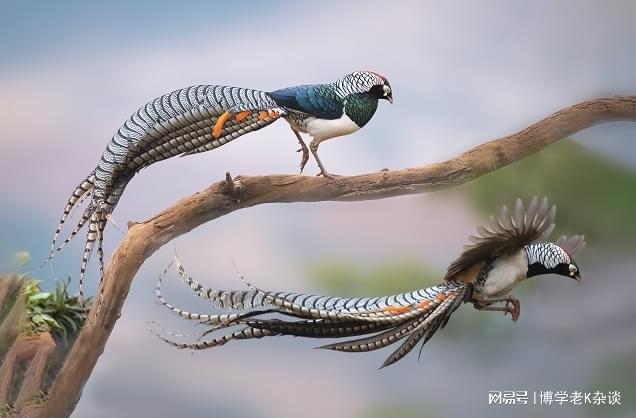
143	239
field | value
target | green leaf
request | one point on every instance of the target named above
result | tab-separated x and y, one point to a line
63	333
53	311
79	316
71	323
50	320
39	296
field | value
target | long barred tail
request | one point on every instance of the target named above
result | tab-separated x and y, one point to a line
385	309
95	232
244	333
187	121
81	192
210	319
94	215
413	316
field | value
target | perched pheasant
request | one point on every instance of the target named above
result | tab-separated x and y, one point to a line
201	118
503	254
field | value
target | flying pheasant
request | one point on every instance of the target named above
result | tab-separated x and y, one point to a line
505	253
200	118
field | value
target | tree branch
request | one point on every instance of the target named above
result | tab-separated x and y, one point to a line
219	199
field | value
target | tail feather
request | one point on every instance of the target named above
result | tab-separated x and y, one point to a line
86	195
242	334
91	237
100	248
235	300
317	328
83	190
378	341
210	319
101	225
388	309
181	122
229	130
427	328
416	315
80	224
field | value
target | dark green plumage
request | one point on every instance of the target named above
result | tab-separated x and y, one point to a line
360	108
321	101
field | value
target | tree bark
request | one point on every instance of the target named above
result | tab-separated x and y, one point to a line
11	324
143	239
37	352
38	365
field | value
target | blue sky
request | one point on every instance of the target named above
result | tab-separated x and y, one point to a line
462	72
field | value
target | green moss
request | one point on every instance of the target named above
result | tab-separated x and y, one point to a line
39	399
594	196
7	410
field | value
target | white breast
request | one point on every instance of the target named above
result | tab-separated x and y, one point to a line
321	129
506	273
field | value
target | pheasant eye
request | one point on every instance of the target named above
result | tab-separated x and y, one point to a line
573	269
387	90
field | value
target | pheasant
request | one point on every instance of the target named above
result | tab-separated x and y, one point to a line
201	118
503	254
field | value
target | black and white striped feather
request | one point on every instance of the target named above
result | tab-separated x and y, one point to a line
506	234
184	122
177	123
381	320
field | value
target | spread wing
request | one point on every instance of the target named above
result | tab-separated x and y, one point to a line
572	245
506	235
320	101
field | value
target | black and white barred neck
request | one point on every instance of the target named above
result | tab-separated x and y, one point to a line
357	82
547	254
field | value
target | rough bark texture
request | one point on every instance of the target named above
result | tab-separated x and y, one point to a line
36	351
11	323
36	372
221	198
32	352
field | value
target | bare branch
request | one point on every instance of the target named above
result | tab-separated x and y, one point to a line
219	199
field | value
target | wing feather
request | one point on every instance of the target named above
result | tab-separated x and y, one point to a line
507	234
572	245
320	100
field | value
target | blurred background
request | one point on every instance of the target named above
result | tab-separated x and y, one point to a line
462	73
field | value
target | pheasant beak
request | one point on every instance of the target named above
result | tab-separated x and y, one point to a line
575	273
388	94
